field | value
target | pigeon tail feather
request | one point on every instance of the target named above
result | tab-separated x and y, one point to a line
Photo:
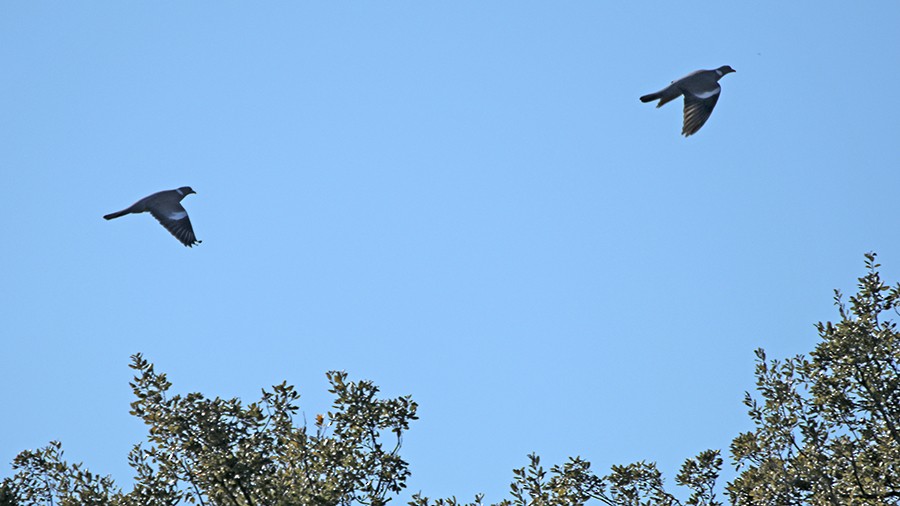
663	98
118	214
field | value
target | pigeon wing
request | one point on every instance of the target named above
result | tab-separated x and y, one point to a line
176	220
697	108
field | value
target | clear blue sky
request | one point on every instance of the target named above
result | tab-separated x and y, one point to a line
461	201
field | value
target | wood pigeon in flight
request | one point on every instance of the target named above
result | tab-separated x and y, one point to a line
701	92
166	207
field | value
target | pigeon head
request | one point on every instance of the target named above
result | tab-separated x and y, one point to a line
726	69
186	190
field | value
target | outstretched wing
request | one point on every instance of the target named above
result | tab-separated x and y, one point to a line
697	108
177	222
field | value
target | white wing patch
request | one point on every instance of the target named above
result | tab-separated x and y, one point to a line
177	215
707	94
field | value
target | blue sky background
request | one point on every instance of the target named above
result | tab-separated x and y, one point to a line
461	201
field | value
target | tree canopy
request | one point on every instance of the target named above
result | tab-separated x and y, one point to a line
222	452
826	432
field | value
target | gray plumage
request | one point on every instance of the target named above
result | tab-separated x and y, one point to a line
701	91
166	207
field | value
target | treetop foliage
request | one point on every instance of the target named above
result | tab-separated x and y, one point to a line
826	432
221	452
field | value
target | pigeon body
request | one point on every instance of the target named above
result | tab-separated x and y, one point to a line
166	207
701	92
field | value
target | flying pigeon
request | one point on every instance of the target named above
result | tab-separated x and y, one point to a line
701	92
166	207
